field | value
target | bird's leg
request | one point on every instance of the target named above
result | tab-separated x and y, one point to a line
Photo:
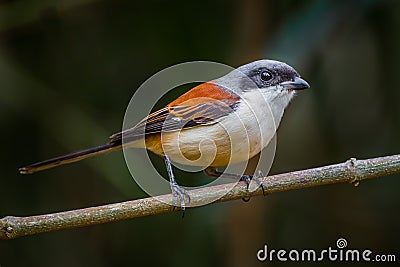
178	192
213	172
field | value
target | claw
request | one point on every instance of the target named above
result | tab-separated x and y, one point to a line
247	179
258	181
179	196
246	199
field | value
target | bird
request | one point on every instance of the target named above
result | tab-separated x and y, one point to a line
239	112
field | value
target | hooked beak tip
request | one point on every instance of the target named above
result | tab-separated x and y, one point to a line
296	84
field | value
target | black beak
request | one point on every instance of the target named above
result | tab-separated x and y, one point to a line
296	84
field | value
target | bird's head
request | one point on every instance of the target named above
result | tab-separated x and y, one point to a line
265	75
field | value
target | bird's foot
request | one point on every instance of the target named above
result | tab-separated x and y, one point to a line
213	172
179	196
178	192
256	178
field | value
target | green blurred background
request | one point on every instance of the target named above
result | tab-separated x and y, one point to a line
67	72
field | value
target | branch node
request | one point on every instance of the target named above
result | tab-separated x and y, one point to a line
352	167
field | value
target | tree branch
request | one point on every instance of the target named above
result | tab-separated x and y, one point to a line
352	171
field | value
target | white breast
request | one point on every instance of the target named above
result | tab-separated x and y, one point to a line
235	138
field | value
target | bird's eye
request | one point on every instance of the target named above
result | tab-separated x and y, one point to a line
266	76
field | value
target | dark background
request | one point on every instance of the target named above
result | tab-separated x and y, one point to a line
69	68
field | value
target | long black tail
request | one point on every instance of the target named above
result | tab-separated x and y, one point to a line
69	158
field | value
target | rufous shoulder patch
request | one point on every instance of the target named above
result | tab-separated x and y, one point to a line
205	92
